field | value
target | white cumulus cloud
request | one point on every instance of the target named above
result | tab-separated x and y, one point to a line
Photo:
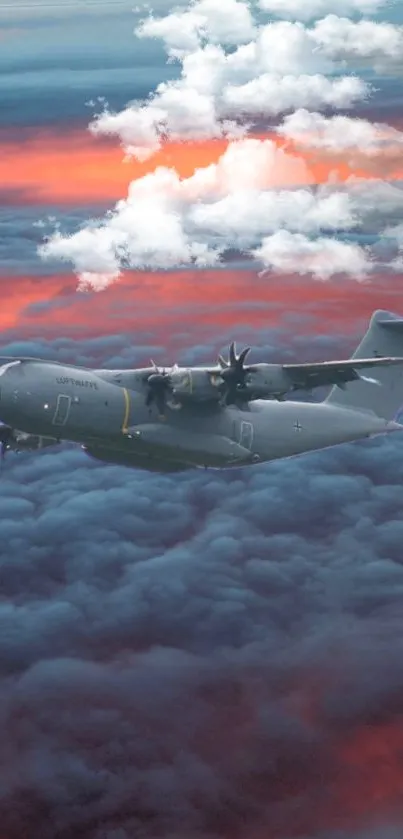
288	253
272	68
380	43
256	199
375	145
270	94
238	72
224	22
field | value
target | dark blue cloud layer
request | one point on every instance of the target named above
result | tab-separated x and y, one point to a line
126	349
154	631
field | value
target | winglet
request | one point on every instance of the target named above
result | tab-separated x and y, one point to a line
392	425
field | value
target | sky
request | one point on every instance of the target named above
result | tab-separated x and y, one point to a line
216	655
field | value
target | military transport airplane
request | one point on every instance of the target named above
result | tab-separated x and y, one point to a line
229	414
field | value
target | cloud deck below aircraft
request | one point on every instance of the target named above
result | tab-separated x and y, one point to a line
232	671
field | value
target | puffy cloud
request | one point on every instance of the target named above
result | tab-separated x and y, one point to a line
167	222
183	112
257	199
376	146
284	66
341	133
377	203
244	217
309	9
269	94
380	43
227	22
236	71
395	233
145	230
178	112
322	257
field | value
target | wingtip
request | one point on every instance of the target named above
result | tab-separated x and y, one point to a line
394	426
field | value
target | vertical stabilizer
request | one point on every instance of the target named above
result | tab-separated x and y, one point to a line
384	337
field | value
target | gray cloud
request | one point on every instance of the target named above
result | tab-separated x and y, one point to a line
158	635
125	349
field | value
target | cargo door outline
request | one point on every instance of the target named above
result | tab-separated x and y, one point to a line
62	411
246	435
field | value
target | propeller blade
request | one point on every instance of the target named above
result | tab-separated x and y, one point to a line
242	356
232	354
233	374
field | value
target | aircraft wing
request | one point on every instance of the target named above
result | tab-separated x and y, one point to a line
325	373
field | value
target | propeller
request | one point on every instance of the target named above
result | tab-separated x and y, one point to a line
234	373
159	387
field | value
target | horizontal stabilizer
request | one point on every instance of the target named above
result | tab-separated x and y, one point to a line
395	323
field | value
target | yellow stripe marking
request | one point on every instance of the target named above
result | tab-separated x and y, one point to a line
127	410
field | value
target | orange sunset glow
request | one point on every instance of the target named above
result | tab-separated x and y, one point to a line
78	168
213	301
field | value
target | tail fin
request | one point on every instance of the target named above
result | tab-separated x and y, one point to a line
384	337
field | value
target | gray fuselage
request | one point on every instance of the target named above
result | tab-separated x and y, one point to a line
112	422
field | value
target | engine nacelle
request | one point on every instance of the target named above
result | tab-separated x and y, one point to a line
195	384
268	381
200	385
